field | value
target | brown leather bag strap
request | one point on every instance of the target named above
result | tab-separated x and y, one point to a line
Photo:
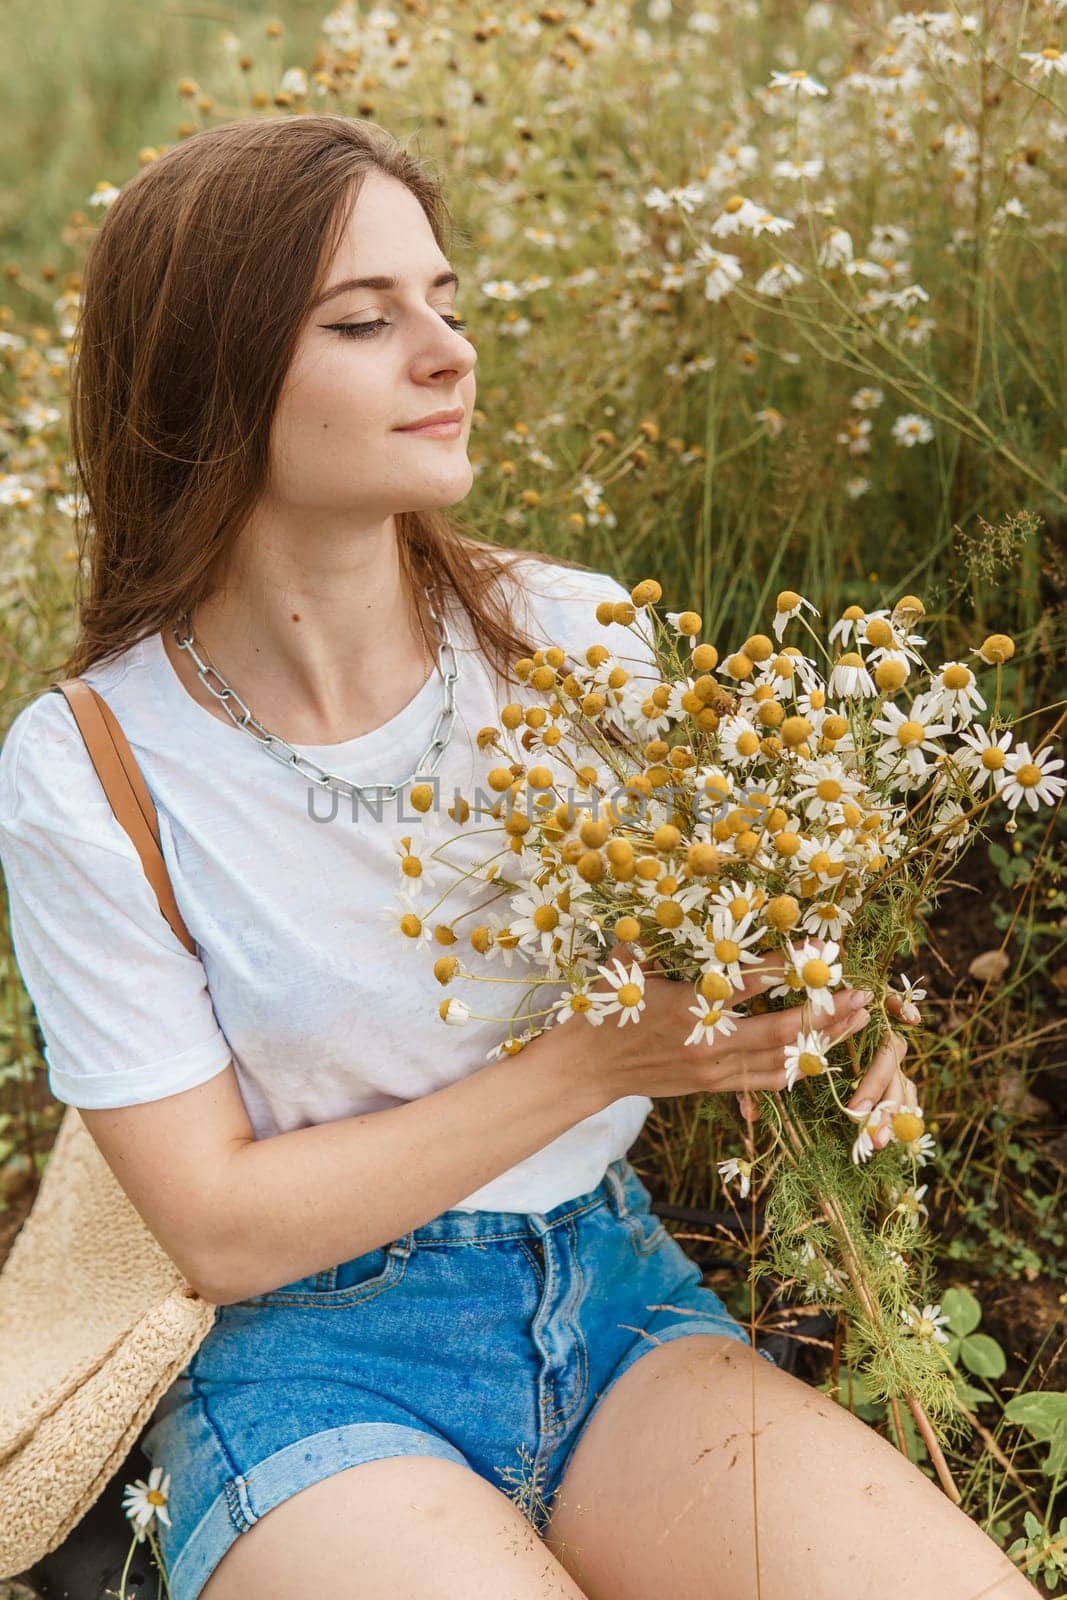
126	789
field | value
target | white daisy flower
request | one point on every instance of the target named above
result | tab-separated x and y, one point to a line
538	922
513	1044
908	736
825	784
908	988
806	1057
836	248
787	606
984	758
1043	63
911	429
910	1204
628	998
722	271
710	1021
738	740
503	941
851	625
850	677
418	873
728	945
1029	777
954	690
576	1003
950	826
767	222
144	1502
927	1323
405	920
455	1012
867	399
826	919
856	434
869	1124
819	970
779	278
797	82
735	1168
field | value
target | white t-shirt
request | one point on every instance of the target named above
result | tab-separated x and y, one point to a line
325	1012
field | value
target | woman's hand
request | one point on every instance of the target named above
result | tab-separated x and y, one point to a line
650	1058
883	1079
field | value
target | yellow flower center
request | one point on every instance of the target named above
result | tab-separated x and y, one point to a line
816	974
829	789
630	994
993	758
1028	775
580	1003
910	734
156	1497
727	950
957	676
545	918
809	1063
906	1126
410	925
411	867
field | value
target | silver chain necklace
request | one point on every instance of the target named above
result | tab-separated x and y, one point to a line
427	762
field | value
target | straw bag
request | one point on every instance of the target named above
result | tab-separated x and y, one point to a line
96	1321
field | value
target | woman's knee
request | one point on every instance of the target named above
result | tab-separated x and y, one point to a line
399	1528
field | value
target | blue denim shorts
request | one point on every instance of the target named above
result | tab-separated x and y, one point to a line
487	1337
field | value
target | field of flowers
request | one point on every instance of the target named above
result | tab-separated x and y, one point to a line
766	298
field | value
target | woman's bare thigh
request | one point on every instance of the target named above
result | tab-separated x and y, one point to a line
399	1528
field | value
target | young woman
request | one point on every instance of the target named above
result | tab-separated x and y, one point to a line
454	1354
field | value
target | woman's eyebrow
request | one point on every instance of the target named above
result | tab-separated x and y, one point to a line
379	283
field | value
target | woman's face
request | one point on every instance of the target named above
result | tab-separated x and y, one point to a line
336	450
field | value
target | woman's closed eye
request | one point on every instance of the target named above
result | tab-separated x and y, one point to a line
360	330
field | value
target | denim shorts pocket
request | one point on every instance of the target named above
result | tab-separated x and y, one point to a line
347	1284
645	1229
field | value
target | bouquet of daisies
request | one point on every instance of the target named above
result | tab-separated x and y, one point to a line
708	811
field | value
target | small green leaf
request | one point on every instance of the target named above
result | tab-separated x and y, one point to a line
962	1310
983	1356
1040	1413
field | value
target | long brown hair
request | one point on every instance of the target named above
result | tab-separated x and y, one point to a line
193	294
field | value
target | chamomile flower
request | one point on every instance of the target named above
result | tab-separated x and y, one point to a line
826	919
710	1021
538	922
856	435
927	1323
909	1203
419	874
735	1169
1029	777
788	606
738	740
984	758
911	429
407	921
796	82
908	988
869	1124
850	678
726	944
951	824
503	940
576	1003
851	625
819	972
1043	63
908	735
954	691
628	998
836	248
513	1044
806	1057
144	1502
722	271
779	278
825	783
455	1012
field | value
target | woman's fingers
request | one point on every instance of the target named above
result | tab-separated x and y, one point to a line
876	1081
904	1009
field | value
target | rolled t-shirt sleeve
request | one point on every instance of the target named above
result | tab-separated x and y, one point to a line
123	1007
